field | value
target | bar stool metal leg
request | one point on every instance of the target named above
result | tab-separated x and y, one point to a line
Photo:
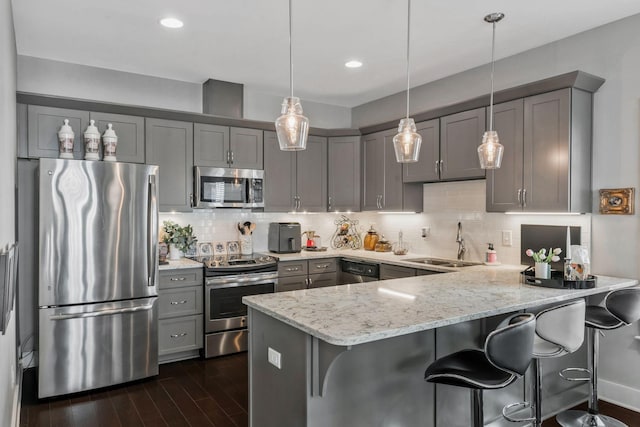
537	390
591	418
477	407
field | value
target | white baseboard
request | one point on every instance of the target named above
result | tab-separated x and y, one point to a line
619	394
17	401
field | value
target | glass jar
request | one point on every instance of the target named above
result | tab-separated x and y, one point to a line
383	245
65	138
370	239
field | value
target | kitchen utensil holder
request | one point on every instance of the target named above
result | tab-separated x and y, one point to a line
246	244
556	281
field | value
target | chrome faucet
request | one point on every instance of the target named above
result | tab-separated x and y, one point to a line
460	241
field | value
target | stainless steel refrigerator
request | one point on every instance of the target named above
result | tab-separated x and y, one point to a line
97	297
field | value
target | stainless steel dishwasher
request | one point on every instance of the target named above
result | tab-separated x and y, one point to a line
352	271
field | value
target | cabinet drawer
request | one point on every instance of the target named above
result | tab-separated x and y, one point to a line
293	283
326	265
179	334
292	268
322	280
395	272
180	302
180	278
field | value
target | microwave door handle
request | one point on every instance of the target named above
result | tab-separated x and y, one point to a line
196	185
152	231
292	244
249	190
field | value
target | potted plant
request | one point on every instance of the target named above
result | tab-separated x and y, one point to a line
180	239
542	260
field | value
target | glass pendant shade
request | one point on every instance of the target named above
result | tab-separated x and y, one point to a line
407	142
490	151
292	127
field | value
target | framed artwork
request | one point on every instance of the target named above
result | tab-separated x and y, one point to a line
219	248
233	247
617	201
205	249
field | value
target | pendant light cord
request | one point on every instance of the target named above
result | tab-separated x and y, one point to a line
290	51
408	49
493	62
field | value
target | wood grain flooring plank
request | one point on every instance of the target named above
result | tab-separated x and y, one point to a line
125	410
215	413
168	409
183	401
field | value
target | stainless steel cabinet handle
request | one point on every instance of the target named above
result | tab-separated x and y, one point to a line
292	269
178	279
191	200
524	198
101	313
381	201
519	196
323	266
232	157
330	203
437	168
228	156
182	334
178	302
307	282
152	231
441	165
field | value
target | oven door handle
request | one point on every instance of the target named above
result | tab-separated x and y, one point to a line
234	283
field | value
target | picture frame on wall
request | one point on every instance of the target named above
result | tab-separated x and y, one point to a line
617	201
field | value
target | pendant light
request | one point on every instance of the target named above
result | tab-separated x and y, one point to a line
407	141
490	151
292	127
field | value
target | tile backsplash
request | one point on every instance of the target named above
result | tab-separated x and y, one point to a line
444	205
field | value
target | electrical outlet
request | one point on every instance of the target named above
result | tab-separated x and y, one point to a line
426	232
507	238
275	358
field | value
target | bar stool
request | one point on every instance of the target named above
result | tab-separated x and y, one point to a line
621	308
559	331
506	357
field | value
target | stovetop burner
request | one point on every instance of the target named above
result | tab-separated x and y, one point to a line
237	263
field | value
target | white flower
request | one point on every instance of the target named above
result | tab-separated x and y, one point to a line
557	251
543	252
555	258
529	252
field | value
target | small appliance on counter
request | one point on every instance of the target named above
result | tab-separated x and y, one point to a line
285	237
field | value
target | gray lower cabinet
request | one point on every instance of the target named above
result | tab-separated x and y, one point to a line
130	131
224	147
461	134
383	188
344	174
307	274
180	308
388	271
549	166
295	181
428	164
170	146
43	124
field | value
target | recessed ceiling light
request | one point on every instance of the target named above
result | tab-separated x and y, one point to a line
171	23
353	64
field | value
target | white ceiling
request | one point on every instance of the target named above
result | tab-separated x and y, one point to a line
246	41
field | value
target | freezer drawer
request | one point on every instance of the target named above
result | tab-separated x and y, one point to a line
97	345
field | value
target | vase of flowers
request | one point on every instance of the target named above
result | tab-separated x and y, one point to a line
542	260
180	239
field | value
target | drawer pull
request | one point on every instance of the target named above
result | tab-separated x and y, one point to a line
322	266
292	268
184	301
178	279
182	334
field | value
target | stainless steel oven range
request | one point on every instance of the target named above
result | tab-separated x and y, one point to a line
227	280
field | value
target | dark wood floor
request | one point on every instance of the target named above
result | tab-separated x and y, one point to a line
192	393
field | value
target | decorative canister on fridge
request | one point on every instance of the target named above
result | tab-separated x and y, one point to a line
65	138
110	142
91	142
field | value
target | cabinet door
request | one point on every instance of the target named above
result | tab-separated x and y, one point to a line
395	272
170	146
292	268
504	185
130	131
426	168
279	176
44	124
461	136
323	280
246	147
211	145
293	283
372	171
393	193
547	121
344	174
312	175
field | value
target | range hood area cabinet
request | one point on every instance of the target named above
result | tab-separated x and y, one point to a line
344	174
547	163
449	148
295	180
227	147
382	186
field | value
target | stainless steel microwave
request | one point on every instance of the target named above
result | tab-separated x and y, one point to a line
228	188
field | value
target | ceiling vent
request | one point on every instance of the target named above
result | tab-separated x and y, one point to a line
222	98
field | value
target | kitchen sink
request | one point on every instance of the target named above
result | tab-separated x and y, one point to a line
443	262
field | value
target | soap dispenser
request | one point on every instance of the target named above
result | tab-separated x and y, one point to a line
492	255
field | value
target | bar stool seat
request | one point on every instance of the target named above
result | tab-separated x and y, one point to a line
506	357
601	318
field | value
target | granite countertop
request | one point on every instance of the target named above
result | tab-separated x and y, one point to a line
180	263
364	312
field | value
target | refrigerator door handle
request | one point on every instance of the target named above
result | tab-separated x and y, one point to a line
101	312
152	236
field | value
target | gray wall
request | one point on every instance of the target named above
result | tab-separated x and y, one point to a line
8	386
612	52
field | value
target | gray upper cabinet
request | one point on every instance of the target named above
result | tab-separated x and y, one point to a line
373	170
461	136
43	126
427	166
170	146
130	131
295	181
224	147
344	174
504	185
549	168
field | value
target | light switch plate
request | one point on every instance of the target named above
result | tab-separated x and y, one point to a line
507	238
275	358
